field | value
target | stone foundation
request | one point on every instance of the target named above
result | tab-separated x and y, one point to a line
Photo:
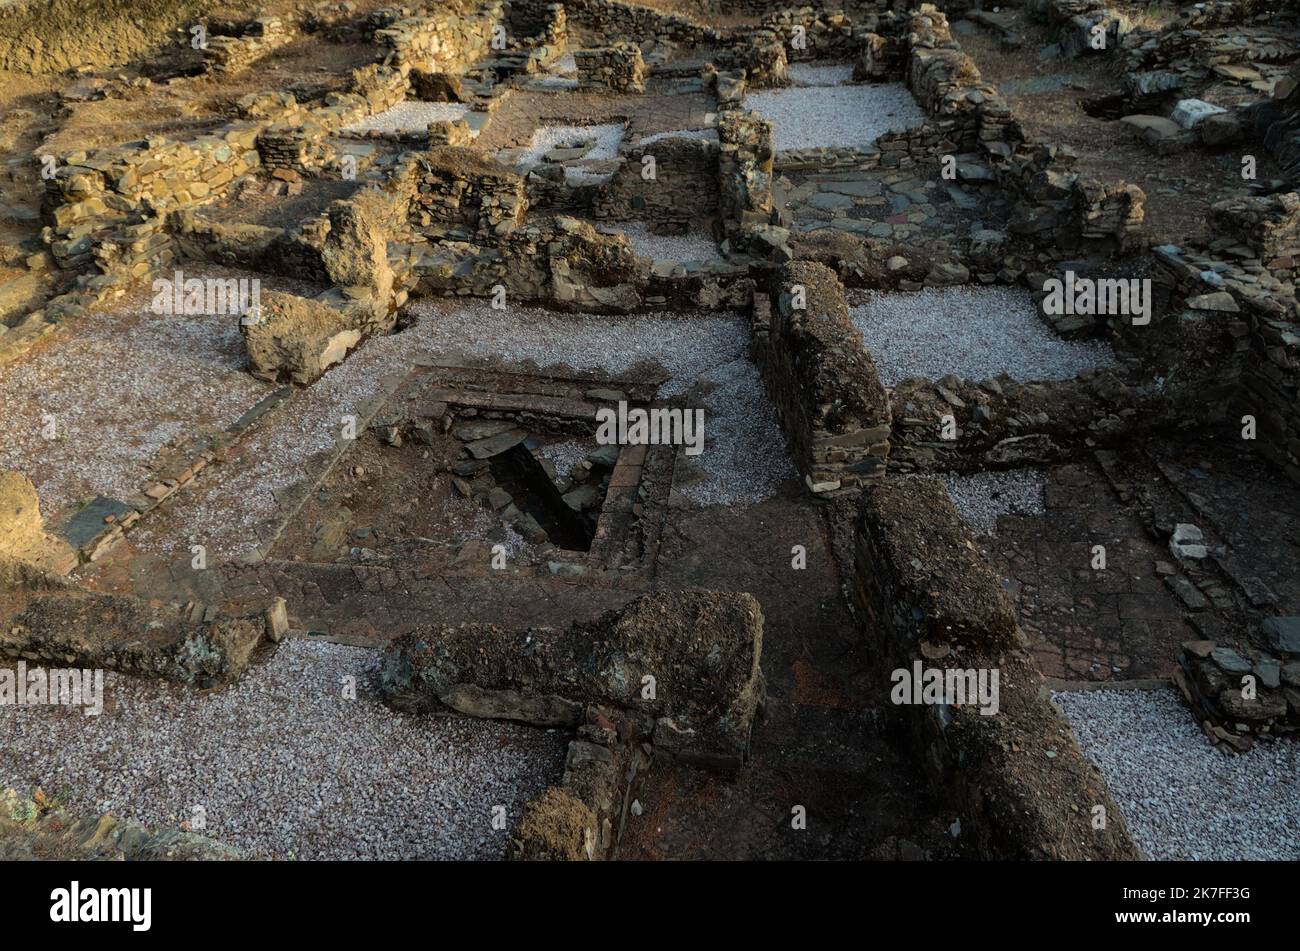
236	47
822	380
615	69
459	191
1240	698
44	620
1017	777
684	189
680	670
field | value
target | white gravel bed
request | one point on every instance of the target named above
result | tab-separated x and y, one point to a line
808	117
694	246
566	455
705	135
222	508
608	137
560	75
121	385
809	74
284	766
1181	798
744	458
984	497
409	116
973	332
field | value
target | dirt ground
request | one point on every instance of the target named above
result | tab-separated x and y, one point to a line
1046	96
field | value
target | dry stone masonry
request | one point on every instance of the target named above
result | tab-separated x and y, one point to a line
474	226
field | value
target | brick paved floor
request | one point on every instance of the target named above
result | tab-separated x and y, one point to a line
1117	624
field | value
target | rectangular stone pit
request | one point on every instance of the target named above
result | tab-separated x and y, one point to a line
482	440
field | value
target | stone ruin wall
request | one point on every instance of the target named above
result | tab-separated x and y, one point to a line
1064	212
704	647
454	188
611	69
745	165
684	189
924	595
822	381
613	21
444	40
1265	334
237	46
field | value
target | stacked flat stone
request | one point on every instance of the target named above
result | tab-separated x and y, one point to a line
234	54
618	68
1240	696
823	382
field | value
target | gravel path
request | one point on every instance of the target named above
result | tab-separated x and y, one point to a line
1181	798
284	766
973	332
807	117
984	497
121	386
409	116
565	455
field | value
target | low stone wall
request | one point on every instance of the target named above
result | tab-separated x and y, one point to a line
443	41
538	22
1192	41
615	69
582	818
677	669
1018	779
1054	206
745	160
822	34
762	57
1233	342
563	263
1002	424
822	380
1269	225
614	21
684	188
291	253
36	830
1239	697
46	620
246	43
295	339
91	191
1080	25
459	191
129	189
296	145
